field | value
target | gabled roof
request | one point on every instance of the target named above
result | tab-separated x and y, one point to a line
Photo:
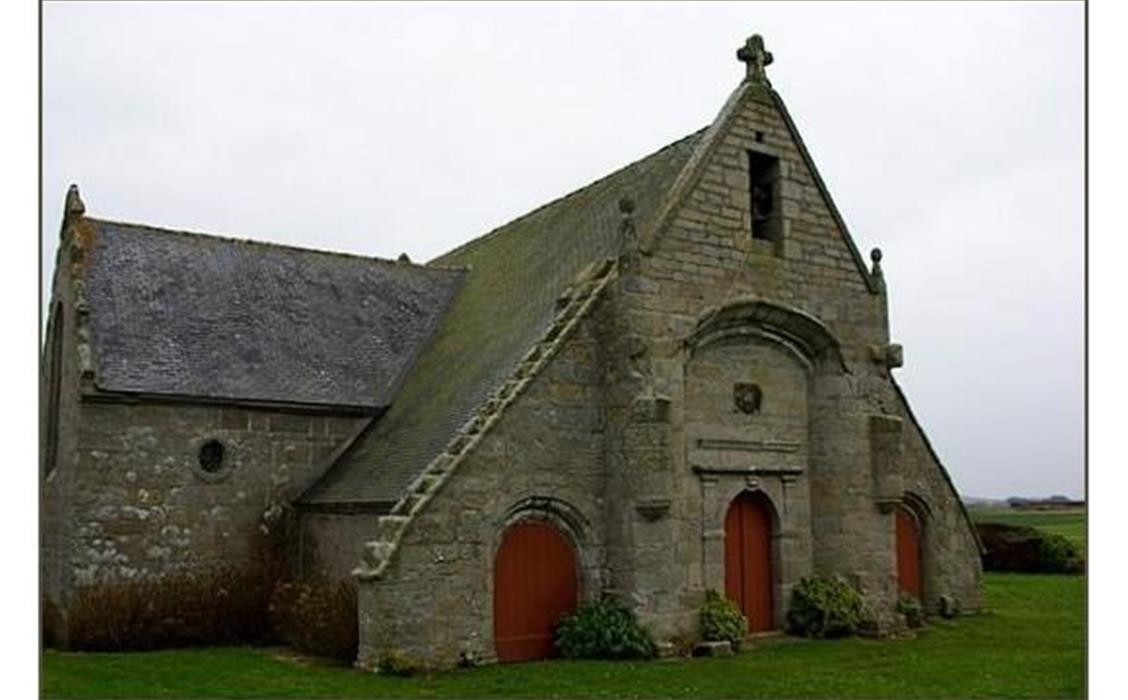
516	273
191	315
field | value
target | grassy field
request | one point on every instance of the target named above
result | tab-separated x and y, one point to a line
1070	524
1030	644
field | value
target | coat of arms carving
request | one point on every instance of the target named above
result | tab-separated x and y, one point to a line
747	397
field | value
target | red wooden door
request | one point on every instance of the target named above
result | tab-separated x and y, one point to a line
748	559
534	585
908	553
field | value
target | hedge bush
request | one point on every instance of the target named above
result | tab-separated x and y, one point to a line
825	607
721	620
317	616
221	606
605	629
911	609
1028	550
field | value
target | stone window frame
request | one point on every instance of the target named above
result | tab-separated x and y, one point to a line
227	467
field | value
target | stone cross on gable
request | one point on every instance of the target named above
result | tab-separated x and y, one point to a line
756	58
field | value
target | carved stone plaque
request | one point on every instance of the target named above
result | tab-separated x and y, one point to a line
747	397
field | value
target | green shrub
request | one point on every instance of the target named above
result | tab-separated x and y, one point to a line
911	608
317	616
221	606
721	620
825	607
605	629
1060	555
394	662
1028	550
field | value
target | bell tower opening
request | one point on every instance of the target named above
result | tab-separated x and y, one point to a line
763	192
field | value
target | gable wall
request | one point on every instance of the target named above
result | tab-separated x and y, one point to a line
706	258
706	253
434	602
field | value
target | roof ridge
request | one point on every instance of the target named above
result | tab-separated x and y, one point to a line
271	244
474	242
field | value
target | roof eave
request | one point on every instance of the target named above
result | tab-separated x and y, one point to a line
103	395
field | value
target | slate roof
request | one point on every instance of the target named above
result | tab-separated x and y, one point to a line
195	315
515	275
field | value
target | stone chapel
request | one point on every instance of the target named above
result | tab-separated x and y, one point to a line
677	378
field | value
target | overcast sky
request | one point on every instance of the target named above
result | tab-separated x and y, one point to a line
950	135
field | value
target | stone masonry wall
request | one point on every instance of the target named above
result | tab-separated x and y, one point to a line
330	544
542	459
853	537
726	445
57	486
707	254
142	507
705	258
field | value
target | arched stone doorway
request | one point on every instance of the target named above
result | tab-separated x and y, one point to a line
535	583
909	579
748	559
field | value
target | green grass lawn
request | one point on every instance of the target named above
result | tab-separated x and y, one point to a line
1069	524
1030	644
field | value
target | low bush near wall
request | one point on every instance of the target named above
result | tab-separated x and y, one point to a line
605	629
825	607
393	662
721	620
222	606
1028	550
911	609
317	616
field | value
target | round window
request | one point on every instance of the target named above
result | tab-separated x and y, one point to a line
211	456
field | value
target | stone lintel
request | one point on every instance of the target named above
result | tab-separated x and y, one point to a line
748	445
707	471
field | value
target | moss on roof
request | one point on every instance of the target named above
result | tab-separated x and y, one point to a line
508	299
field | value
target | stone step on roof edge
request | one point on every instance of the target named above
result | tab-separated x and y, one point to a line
391	528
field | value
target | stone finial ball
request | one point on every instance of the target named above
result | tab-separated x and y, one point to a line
875	255
626	205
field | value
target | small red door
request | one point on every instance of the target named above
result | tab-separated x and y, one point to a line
748	559
534	585
908	553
